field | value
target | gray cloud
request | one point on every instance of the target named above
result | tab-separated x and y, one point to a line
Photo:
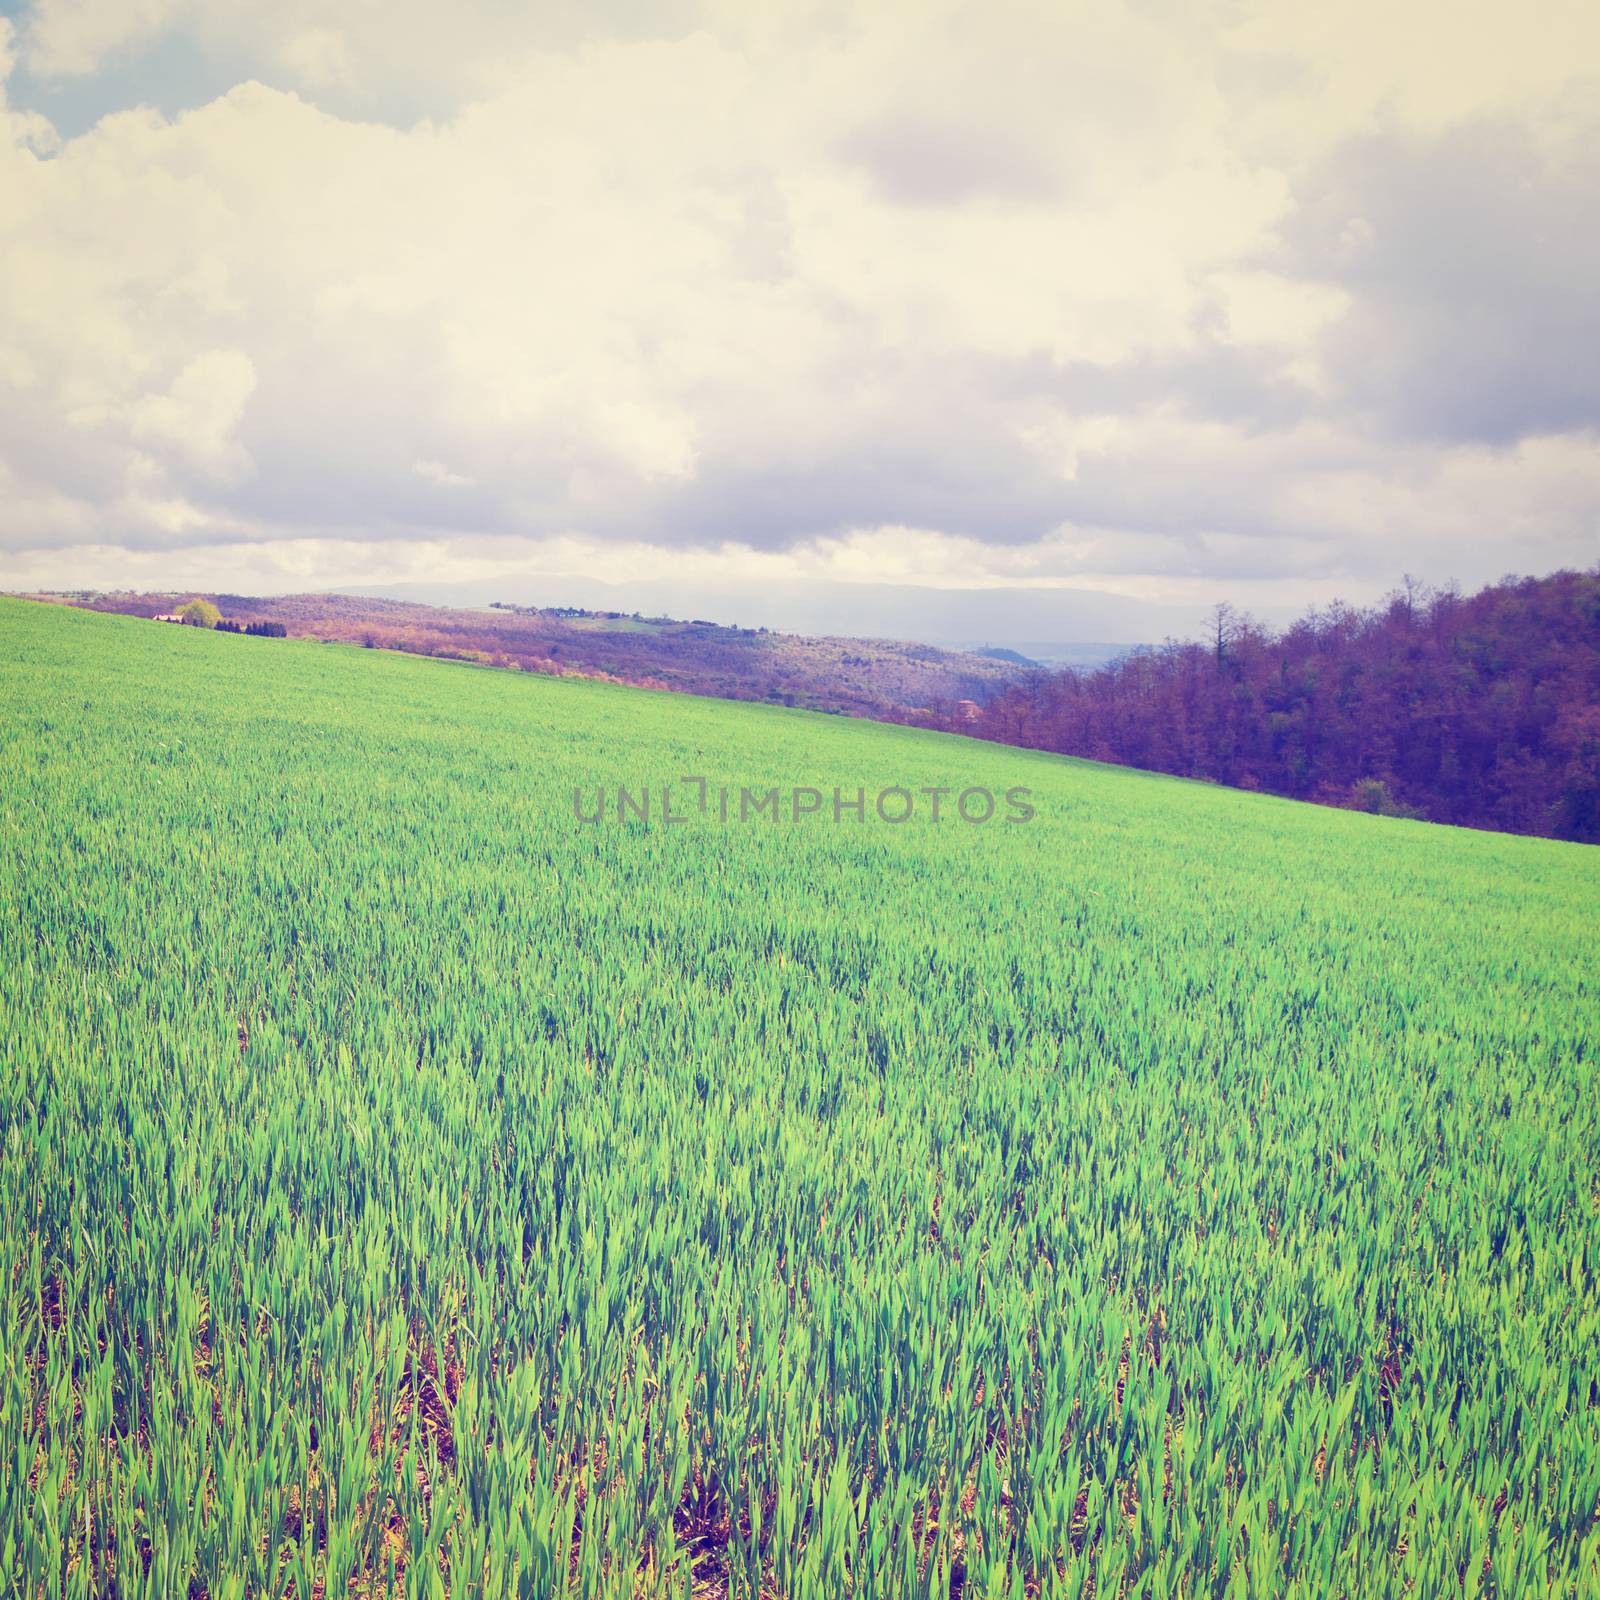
1472	258
918	159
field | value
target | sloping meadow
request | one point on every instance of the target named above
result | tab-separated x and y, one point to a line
407	1182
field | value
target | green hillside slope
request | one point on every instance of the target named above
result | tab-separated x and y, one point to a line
1183	1191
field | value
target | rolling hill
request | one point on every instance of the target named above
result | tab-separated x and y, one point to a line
1174	1191
860	677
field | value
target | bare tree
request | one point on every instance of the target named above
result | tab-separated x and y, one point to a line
1224	628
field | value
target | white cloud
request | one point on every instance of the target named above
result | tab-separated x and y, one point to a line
319	57
195	418
1002	294
438	473
19	130
73	37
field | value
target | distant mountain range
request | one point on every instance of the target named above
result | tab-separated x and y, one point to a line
1083	654
1046	624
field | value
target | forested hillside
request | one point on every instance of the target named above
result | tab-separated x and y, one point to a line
1482	710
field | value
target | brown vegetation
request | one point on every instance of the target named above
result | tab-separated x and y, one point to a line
853	676
1480	710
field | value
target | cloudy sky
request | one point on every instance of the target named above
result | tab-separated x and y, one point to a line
1166	299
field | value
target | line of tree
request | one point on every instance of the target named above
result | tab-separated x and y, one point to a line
255	630
1482	710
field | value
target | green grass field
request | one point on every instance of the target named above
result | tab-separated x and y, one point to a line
1186	1192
